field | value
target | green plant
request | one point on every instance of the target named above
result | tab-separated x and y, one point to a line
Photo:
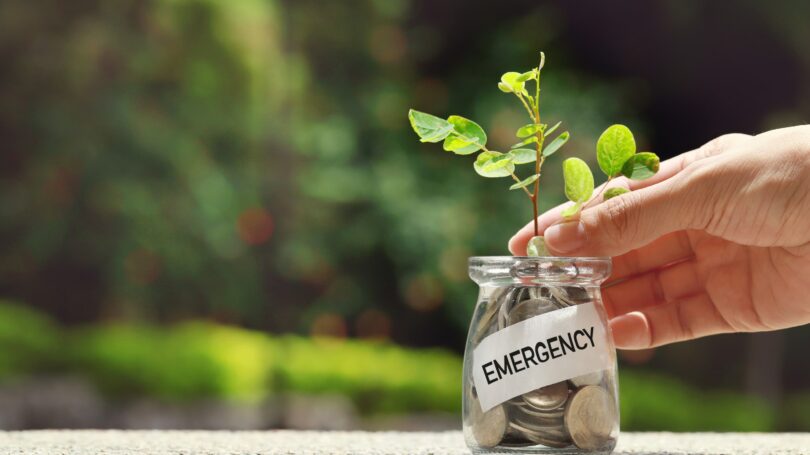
615	150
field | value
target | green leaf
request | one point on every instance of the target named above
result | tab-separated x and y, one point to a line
528	130
555	145
613	192
529	140
578	180
504	88
467	136
488	164
523	156
537	246
527	76
551	130
571	210
429	127
525	182
615	146
512	80
641	166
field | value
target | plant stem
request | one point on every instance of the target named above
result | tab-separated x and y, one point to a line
604	187
515	177
538	163
528	109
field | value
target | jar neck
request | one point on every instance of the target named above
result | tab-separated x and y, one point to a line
529	271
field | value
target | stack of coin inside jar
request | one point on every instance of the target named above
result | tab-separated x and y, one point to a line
579	411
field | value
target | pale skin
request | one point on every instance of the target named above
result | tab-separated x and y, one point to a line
718	241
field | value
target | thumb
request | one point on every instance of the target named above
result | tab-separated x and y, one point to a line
625	222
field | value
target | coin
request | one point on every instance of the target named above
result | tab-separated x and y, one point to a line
594	378
529	309
488	428
549	439
590	417
547	398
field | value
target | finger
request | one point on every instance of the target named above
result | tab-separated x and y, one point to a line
685	319
667	169
626	222
668	284
517	244
673	166
661	252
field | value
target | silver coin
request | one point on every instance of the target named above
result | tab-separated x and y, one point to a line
547	398
590	417
545	438
529	309
488	428
509	301
560	296
577	294
594	378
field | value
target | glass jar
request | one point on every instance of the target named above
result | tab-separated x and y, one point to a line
539	364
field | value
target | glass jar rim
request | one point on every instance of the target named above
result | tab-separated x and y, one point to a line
501	270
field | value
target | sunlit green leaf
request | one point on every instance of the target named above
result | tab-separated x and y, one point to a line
504	88
489	164
525	182
537	246
578	180
527	76
555	145
571	210
528	130
552	129
523	156
467	136
429	127
641	166
512	80
613	192
615	146
529	140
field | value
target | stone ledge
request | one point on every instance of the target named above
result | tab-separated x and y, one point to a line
283	442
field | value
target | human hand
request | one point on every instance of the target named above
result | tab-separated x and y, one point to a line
718	241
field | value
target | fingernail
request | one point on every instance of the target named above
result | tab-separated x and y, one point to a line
566	237
630	331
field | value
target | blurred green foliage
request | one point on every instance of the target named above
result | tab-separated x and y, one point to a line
252	161
203	360
29	341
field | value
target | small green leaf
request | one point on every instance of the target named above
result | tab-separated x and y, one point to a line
578	180
525	182
512	80
641	166
527	76
485	167
528	130
552	129
571	210
467	136
555	145
537	247
529	140
523	156
613	192
429	127
615	146
504	88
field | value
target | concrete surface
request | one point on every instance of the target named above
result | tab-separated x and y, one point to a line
114	442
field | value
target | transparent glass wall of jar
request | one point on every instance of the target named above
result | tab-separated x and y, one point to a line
575	415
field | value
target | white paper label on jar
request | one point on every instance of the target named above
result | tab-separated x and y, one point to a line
540	351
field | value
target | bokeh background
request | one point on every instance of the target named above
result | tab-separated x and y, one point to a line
214	214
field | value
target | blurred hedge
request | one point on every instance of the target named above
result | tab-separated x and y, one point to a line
202	360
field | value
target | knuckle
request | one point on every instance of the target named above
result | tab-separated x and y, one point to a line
722	143
615	220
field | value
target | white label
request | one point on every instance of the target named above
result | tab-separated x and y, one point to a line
539	351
